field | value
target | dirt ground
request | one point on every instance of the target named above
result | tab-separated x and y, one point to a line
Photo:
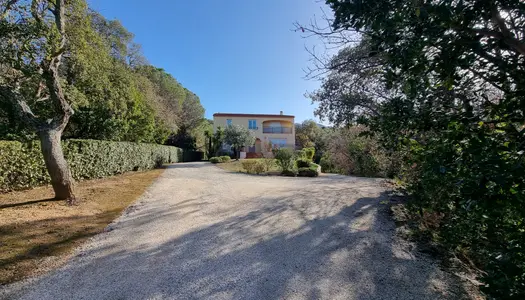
38	233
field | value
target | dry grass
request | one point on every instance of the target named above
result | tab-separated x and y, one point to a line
38	233
236	167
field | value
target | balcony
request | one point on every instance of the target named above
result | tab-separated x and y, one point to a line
277	130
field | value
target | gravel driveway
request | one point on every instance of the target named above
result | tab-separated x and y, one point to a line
202	233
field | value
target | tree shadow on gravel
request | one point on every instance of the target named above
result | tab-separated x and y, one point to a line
330	251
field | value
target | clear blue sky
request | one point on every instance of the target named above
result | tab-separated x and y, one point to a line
237	56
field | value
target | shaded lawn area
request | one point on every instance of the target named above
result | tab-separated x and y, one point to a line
236	167
38	233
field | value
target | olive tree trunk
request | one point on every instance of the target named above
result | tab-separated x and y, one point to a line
50	16
56	165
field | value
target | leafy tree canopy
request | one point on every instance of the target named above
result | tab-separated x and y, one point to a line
444	83
238	136
115	94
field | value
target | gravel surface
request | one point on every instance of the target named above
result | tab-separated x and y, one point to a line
202	233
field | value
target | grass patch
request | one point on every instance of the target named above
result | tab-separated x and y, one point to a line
38	233
236	167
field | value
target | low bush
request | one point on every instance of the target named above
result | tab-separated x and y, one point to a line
253	166
284	158
225	158
22	165
259	167
268	163
302	163
308	172
289	173
215	160
248	165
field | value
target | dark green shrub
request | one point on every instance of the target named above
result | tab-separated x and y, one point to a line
309	153
22	165
289	173
215	160
284	158
300	154
302	163
308	172
225	158
477	189
327	165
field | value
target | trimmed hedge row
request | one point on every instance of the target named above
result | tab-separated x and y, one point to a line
22	165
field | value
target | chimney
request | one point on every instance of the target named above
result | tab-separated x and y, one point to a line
281	112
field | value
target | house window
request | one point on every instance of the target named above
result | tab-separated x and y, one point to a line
252	124
278	143
229	122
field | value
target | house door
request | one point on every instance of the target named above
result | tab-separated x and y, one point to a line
258	146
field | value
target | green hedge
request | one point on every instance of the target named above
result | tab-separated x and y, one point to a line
22	165
215	160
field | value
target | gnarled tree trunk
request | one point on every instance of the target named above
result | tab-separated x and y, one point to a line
48	15
56	165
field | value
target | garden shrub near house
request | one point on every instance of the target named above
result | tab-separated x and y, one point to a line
215	160
225	158
248	165
22	165
285	159
253	166
311	170
259	167
308	172
268	163
300	154
302	163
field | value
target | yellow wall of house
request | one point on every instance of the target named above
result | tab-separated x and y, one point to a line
258	133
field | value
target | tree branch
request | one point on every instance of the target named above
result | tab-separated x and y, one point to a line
8	7
504	35
25	111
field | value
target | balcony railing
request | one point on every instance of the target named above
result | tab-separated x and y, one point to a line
277	130
253	149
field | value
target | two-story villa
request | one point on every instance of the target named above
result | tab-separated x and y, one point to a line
275	130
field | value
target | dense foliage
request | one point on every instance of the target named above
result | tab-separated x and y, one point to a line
310	171
309	134
350	152
285	159
114	93
22	165
444	83
298	163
